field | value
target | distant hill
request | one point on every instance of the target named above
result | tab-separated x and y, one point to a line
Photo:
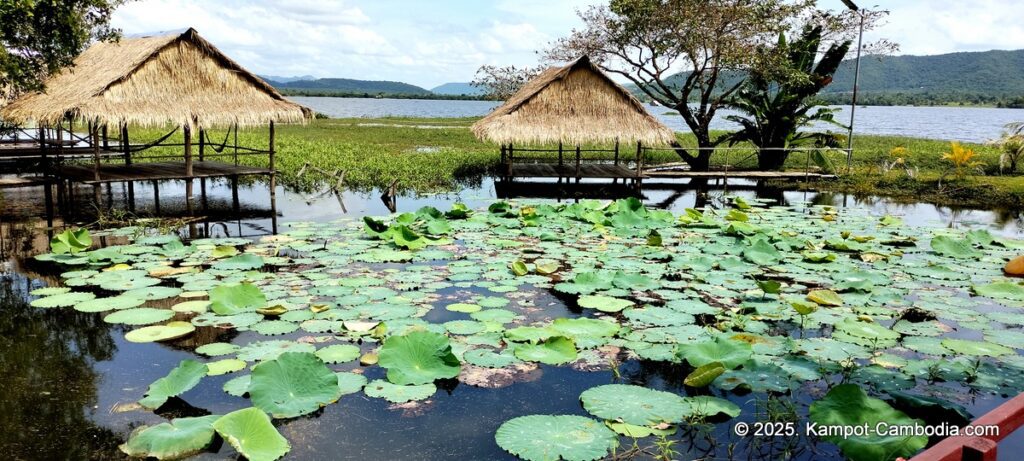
974	78
346	86
457	88
275	78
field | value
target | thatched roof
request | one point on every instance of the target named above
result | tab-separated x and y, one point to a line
152	80
575	104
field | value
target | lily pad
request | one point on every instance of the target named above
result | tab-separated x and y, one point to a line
293	384
729	353
604	303
139	316
634	404
251	433
397	393
418	357
555	350
848	405
338	353
236	299
179	438
172	330
185	376
546	437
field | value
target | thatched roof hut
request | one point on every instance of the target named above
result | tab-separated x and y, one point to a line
169	79
575	104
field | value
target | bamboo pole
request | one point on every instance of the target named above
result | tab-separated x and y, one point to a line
271	146
202	144
126	150
639	159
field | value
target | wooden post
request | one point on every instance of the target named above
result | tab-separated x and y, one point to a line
202	144
577	161
271	145
560	161
504	158
106	138
188	149
616	151
126	150
639	159
236	144
511	158
95	152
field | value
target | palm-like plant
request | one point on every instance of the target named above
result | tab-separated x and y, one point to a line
777	104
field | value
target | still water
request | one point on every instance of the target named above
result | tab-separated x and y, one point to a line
973	124
68	375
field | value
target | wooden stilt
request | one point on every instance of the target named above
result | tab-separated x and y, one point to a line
271	160
202	144
188	150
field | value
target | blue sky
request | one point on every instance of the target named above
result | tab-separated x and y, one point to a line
432	42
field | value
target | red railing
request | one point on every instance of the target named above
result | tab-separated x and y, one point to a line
1008	417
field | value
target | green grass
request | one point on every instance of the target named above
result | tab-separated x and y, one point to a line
435	155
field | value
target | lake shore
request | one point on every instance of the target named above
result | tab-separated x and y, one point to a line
429	155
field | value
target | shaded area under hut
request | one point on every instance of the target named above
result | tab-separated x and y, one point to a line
576	107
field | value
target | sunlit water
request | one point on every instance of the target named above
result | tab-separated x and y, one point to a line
66	374
974	124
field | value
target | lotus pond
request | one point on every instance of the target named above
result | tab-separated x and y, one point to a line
529	329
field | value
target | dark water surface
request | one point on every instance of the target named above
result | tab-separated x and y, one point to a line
68	378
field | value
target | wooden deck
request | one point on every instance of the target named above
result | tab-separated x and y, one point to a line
738	174
554	170
23	181
155	172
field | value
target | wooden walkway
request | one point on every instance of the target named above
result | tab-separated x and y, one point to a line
554	170
737	174
155	172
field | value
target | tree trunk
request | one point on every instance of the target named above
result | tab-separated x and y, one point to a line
771	160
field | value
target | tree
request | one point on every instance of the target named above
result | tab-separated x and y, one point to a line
40	37
779	104
500	83
1011	143
690	55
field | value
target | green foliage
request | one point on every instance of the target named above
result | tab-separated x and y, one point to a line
293	384
848	405
71	241
182	378
236	299
418	357
251	433
177	439
777	103
547	438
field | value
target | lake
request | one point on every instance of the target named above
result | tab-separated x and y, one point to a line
72	374
972	124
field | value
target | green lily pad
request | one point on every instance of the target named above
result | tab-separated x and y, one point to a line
293	384
848	405
338	353
547	437
729	353
109	303
185	376
217	349
177	439
418	357
584	327
350	383
604	303
825	298
139	316
1000	290
62	300
555	350
172	330
238	386
236	299
397	393
954	248
225	366
251	433
634	404
976	348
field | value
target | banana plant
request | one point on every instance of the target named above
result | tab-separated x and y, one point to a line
776	104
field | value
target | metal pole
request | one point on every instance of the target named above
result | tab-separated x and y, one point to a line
853	104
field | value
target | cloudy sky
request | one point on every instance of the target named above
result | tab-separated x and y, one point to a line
427	43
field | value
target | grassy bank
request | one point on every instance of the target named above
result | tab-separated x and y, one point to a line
431	155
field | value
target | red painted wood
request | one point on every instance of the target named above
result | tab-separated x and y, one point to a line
1008	417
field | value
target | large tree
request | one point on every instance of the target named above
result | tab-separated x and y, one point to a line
500	83
39	37
691	55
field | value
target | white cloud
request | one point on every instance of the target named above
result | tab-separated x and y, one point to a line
428	43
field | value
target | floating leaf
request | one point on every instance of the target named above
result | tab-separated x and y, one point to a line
71	241
139	316
338	353
519	268
555	350
604	303
1000	290
251	433
545	438
847	405
960	249
62	300
418	357
293	384
185	376
236	299
172	330
223	367
825	298
976	348
727	352
180	438
704	375
396	393
634	404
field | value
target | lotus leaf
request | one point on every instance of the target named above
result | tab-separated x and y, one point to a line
71	241
1000	290
172	330
634	404
848	405
396	393
584	327
350	383
729	353
604	303
62	300
236	299
179	438
139	316
293	384
975	348
338	353
223	367
704	375
418	357
545	438
825	298
238	386
555	350
242	262
251	433
954	248
185	376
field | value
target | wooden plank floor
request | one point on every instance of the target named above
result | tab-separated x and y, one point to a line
28	181
553	170
737	174
155	171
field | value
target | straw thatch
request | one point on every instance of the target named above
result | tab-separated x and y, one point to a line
156	80
575	104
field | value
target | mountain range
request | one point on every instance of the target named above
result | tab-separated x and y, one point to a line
977	78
